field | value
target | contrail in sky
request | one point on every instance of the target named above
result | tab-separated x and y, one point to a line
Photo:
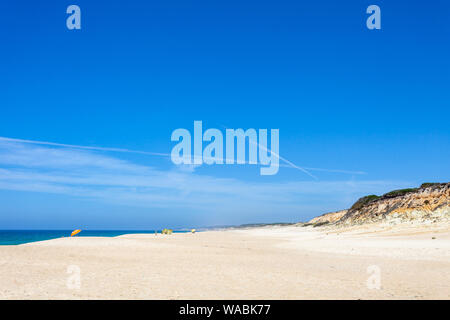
84	147
289	163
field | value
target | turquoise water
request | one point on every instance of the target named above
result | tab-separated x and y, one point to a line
13	237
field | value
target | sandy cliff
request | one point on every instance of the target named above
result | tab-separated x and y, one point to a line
428	203
329	217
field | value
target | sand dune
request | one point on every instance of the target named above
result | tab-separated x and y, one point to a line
258	263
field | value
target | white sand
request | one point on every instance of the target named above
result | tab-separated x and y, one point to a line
261	263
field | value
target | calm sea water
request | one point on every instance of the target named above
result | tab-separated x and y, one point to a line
13	237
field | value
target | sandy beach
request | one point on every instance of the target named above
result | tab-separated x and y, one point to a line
370	262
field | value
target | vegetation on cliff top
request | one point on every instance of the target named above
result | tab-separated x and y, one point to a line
363	210
392	194
364	201
429	184
397	193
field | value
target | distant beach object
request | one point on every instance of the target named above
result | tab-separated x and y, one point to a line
75	232
193	230
166	231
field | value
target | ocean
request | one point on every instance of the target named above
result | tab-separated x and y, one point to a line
14	237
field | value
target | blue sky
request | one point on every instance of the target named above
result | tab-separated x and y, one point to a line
372	103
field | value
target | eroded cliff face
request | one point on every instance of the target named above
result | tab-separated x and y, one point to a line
429	203
328	217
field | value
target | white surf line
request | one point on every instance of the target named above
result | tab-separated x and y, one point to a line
289	163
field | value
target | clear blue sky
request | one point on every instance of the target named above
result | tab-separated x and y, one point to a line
374	103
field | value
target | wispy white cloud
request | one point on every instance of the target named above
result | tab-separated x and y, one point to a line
286	164
61	169
73	146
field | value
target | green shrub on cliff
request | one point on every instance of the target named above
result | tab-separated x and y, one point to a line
399	192
364	201
428	184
